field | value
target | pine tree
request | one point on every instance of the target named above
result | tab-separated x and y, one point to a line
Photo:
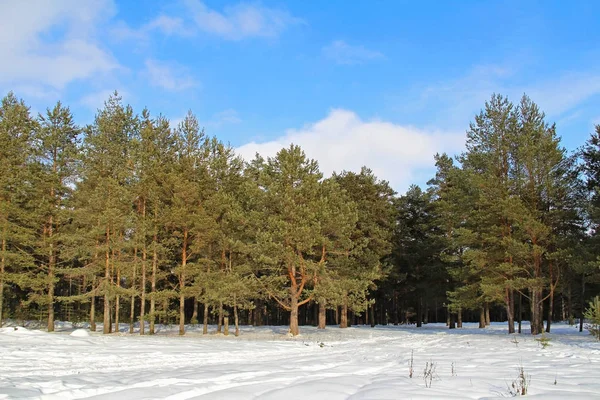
371	236
333	279
189	221
17	230
105	198
57	142
288	231
417	247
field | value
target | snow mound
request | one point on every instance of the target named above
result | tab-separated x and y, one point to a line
18	330
80	333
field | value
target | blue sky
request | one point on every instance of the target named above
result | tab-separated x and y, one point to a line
379	83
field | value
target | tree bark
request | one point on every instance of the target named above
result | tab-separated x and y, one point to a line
372	315
182	284
520	314
226	326
487	315
581	317
294	330
93	313
195	312
419	311
322	315
205	320
144	265
236	319
153	280
550	309
220	318
2	270
117	298
51	266
344	314
106	328
510	309
459	322
481	318
132	305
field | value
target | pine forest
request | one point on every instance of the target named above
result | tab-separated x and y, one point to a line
130	219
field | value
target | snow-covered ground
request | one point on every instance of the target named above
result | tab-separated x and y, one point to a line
264	363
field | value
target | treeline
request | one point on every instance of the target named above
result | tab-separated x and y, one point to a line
140	221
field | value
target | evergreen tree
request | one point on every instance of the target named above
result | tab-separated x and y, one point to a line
371	237
57	142
17	229
288	232
105	198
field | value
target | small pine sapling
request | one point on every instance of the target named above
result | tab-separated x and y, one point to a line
592	314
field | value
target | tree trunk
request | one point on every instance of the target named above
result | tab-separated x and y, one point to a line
181	314
372	315
294	312
419	311
510	309
117	300
570	314
459	322
481	318
220	318
153	282
93	313
488	321
536	311
132	305
51	266
520	315
226	326
581	317
344	314
144	265
2	269
550	309
205	320
195	312
106	328
182	284
322	315
452	322
236	319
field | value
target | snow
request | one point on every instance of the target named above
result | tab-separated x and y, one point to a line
80	333
265	363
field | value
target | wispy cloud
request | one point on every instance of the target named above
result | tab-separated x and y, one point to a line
45	60
164	24
343	141
343	53
455	101
240	21
169	76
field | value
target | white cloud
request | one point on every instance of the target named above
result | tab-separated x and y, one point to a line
342	141
229	116
48	45
170	26
343	53
456	101
169	76
240	21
